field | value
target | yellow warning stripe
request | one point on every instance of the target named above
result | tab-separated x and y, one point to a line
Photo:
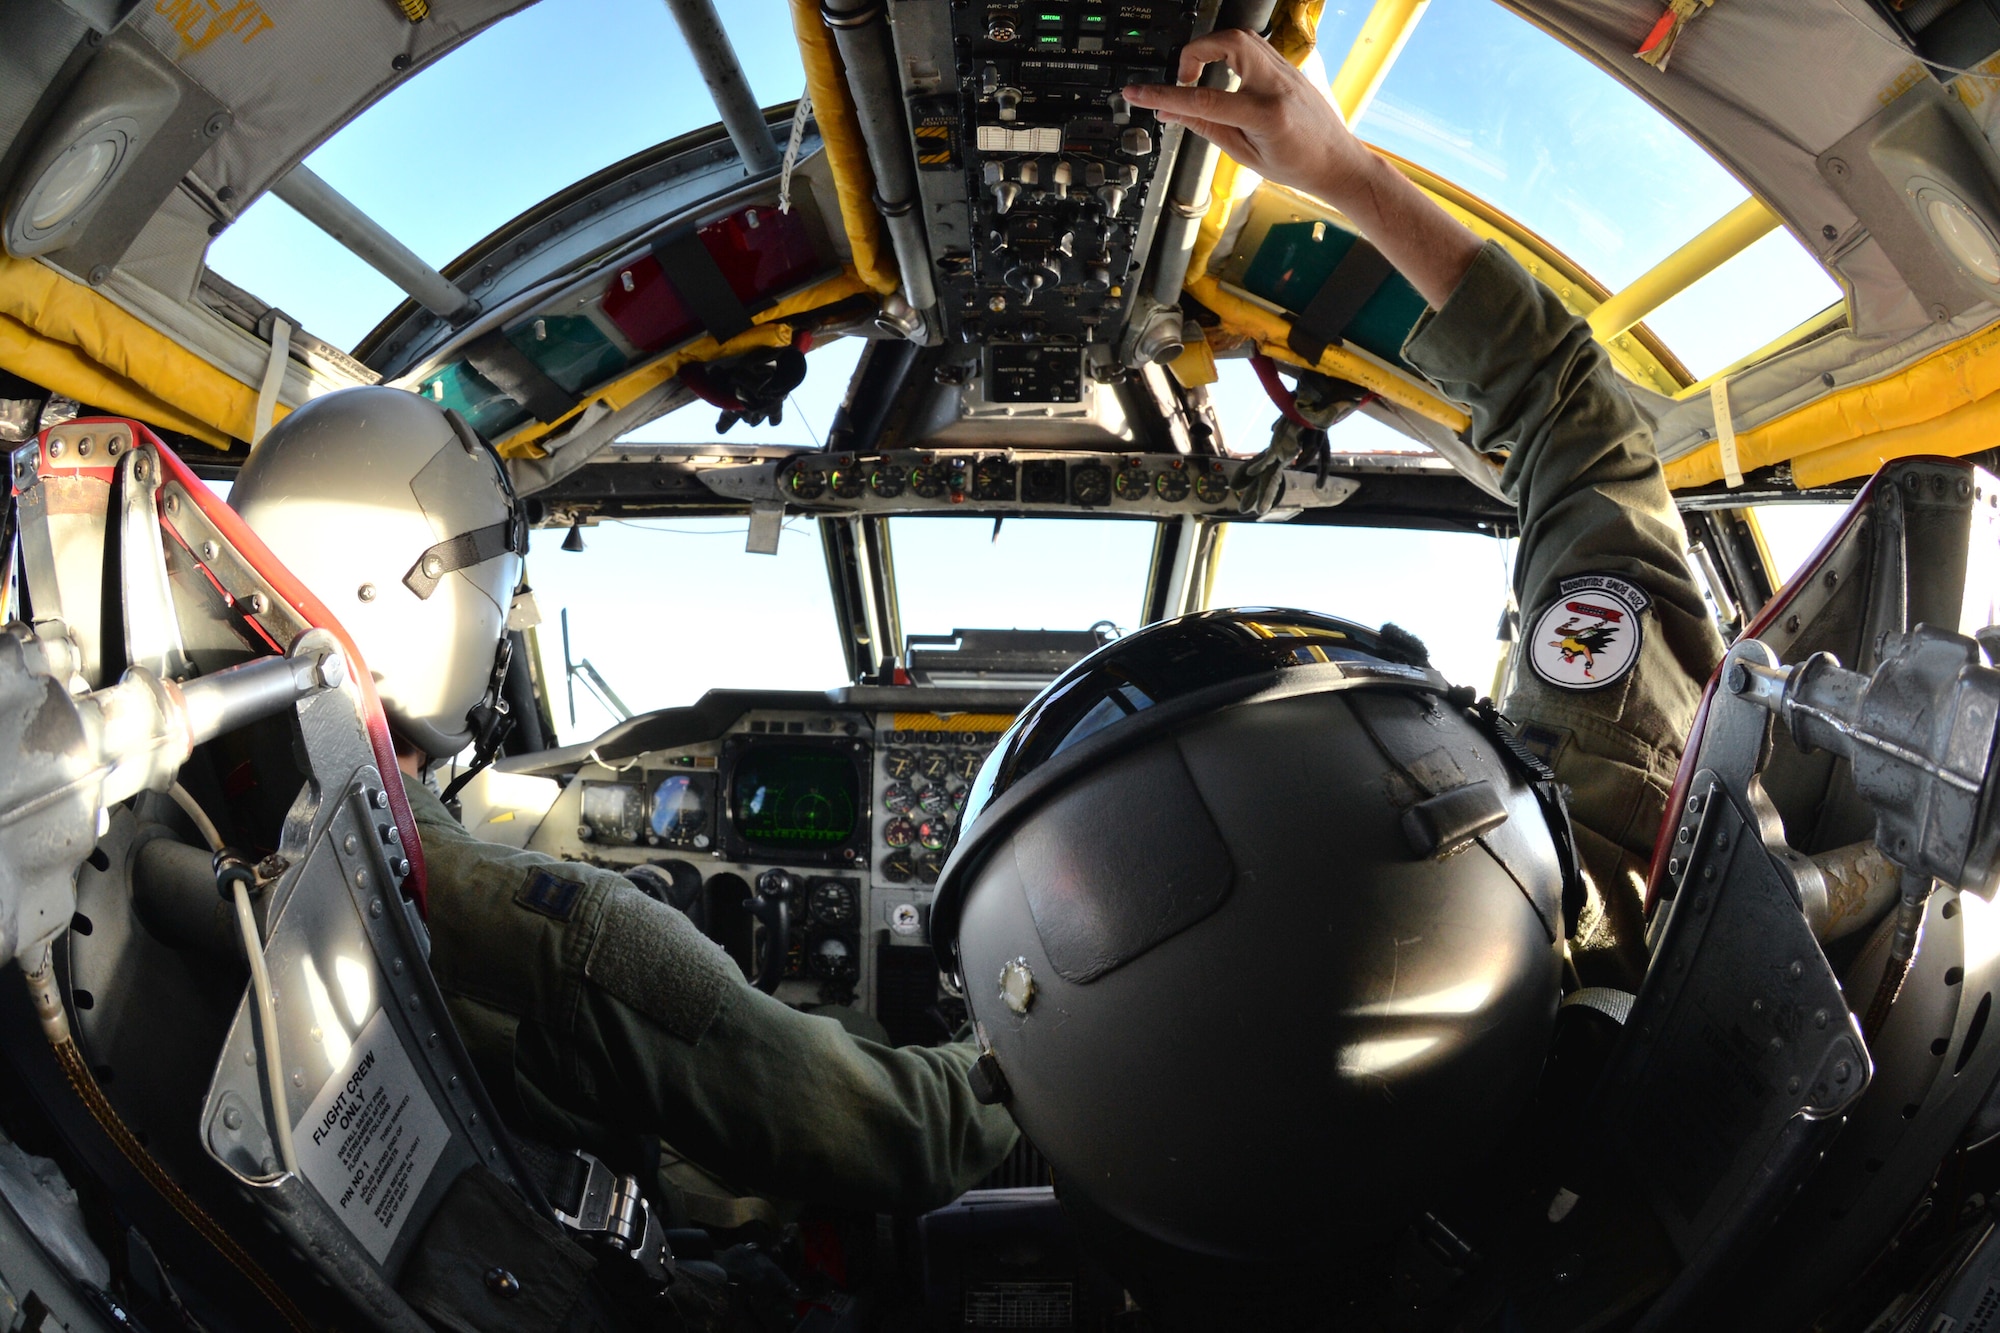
988	722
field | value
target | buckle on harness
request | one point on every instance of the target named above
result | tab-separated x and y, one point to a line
609	1211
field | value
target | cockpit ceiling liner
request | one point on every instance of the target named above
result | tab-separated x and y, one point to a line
291	72
294	71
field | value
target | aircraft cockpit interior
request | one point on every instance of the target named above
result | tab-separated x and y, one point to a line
826	665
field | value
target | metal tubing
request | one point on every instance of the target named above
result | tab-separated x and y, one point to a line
335	214
1724	239
240	695
1194	172
1388	26
861	31
715	57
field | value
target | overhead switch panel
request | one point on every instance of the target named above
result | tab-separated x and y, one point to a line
1040	221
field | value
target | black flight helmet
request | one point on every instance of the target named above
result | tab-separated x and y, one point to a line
1260	923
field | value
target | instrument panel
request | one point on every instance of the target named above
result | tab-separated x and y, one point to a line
1140	483
821	829
1041	182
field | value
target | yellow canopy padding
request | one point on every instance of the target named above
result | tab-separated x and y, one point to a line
67	338
846	154
1918	410
1195	365
770	331
1271	333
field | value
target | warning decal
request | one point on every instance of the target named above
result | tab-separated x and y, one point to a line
371	1138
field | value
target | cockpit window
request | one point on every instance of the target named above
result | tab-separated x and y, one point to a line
1548	138
485	133
664	611
1792	532
1032	573
1447	588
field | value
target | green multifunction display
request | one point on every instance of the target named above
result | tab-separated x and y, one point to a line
795	796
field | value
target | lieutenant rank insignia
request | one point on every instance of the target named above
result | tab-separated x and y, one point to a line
1589	635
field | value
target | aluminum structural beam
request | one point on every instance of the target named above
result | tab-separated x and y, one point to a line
1388	25
336	215
1724	239
720	70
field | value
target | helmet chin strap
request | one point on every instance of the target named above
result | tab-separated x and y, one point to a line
490	719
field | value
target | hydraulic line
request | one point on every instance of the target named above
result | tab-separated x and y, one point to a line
233	871
1915	897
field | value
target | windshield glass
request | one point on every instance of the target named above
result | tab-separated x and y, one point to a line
488	131
668	610
1556	143
1032	573
1792	532
1447	588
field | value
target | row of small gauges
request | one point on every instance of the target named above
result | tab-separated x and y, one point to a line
1090	481
922	803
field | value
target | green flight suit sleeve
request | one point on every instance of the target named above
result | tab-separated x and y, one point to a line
1597	523
598	1016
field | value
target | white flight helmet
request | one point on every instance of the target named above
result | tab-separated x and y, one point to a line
396	516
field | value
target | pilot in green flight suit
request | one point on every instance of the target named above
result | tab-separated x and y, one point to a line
1616	641
597	1015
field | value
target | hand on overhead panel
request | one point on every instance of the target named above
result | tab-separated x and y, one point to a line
1278	123
1285	127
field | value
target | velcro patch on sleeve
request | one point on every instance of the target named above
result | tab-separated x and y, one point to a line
1588	636
550	894
654	959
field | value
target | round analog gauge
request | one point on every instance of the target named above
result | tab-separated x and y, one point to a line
898	799
1172	484
899	867
936	801
935	765
928	867
1090	484
1132	481
965	764
993	479
929	480
1212	486
899	764
832	903
934	833
849	481
958	799
886	482
899	833
807	483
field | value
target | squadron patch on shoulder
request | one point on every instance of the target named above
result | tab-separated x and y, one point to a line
1589	635
550	894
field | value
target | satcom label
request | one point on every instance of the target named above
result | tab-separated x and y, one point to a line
371	1138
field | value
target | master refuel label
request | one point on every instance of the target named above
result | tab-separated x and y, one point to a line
371	1138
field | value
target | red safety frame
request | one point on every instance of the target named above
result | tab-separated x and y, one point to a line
306	606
